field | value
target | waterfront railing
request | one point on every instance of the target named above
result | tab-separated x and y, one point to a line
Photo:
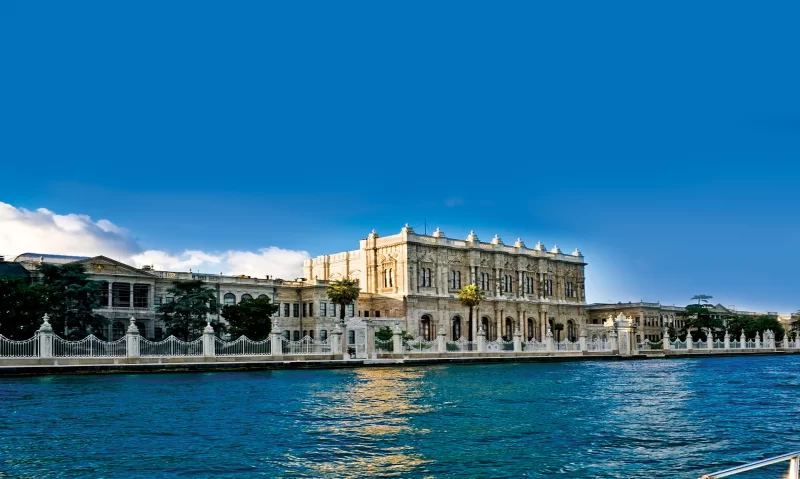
794	467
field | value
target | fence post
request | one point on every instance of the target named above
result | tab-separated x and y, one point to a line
481	340
710	340
549	341
794	468
46	338
758	341
582	340
665	339
612	341
132	340
518	340
742	341
397	339
276	343
441	340
797	340
209	348
689	344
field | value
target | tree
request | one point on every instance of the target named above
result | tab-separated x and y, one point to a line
343	292
251	318
471	296
22	307
701	297
387	334
755	324
558	327
72	298
187	315
699	318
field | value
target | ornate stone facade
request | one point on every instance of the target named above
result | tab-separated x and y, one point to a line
417	278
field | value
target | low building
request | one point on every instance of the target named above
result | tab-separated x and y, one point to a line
648	318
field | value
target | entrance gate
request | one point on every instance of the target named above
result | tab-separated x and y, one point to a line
356	330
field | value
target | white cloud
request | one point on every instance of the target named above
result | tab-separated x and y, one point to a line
42	231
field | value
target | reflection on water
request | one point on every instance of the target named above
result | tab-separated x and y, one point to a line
372	404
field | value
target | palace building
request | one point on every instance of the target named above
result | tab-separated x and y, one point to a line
417	277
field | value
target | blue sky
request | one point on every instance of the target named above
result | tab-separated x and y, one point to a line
661	139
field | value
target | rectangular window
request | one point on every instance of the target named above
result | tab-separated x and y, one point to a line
170	299
141	296
323	308
311	309
285	310
366	314
323	335
295	310
333	309
157	301
351	310
296	335
377	313
305	309
287	334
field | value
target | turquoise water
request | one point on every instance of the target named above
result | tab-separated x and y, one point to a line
660	418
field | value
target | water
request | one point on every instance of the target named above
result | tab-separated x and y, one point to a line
628	419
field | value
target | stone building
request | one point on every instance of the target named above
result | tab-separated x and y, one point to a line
304	309
649	319
417	277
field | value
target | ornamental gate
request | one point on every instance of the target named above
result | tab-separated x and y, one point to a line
356	330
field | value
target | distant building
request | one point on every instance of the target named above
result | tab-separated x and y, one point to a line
417	278
12	270
649	318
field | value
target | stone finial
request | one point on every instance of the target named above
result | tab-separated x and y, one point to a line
539	247
438	233
497	240
517	332
440	331
555	249
519	243
133	329
208	328
577	252
46	327
407	229
549	333
481	331
337	329
472	237
373	235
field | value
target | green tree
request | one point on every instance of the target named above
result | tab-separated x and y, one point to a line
343	292
471	296
22	307
386	334
251	318
72	298
755	324
699	318
187	316
701	298
558	327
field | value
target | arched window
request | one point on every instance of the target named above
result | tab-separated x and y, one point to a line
262	296
142	328
485	325
118	330
245	297
509	329
229	299
456	328
571	330
425	327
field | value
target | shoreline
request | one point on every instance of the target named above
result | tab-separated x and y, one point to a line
27	370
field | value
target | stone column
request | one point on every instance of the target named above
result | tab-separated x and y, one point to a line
397	339
110	294
710	340
665	345
209	348
582	339
517	341
370	338
549	341
797	340
612	341
481	340
689	345
45	338
758	340
130	301
727	340
276	343
132	340
742	341
441	340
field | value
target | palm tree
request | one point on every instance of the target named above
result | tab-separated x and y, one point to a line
558	327
471	296
701	297
343	292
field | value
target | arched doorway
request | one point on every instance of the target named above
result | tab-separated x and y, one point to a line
509	329
571	330
456	328
425	327
530	329
485	326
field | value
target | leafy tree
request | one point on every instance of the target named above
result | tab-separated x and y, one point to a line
22	307
187	315
251	318
343	292
72	298
698	317
755	324
471	296
558	327
387	334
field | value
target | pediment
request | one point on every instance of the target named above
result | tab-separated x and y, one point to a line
105	265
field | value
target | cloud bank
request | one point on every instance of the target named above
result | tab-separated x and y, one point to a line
42	231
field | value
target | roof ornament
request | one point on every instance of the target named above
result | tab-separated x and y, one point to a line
374	234
577	252
539	247
497	240
472	237
407	229
438	233
555	249
519	243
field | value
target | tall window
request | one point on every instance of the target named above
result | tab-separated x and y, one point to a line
323	335
245	297
351	310
311	309
229	299
509	329
388	280
530	329
333	309
456	328
528	285
295	310
425	277
548	287
323	308
305	310
455	279
568	288
425	327
484	281
507	283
